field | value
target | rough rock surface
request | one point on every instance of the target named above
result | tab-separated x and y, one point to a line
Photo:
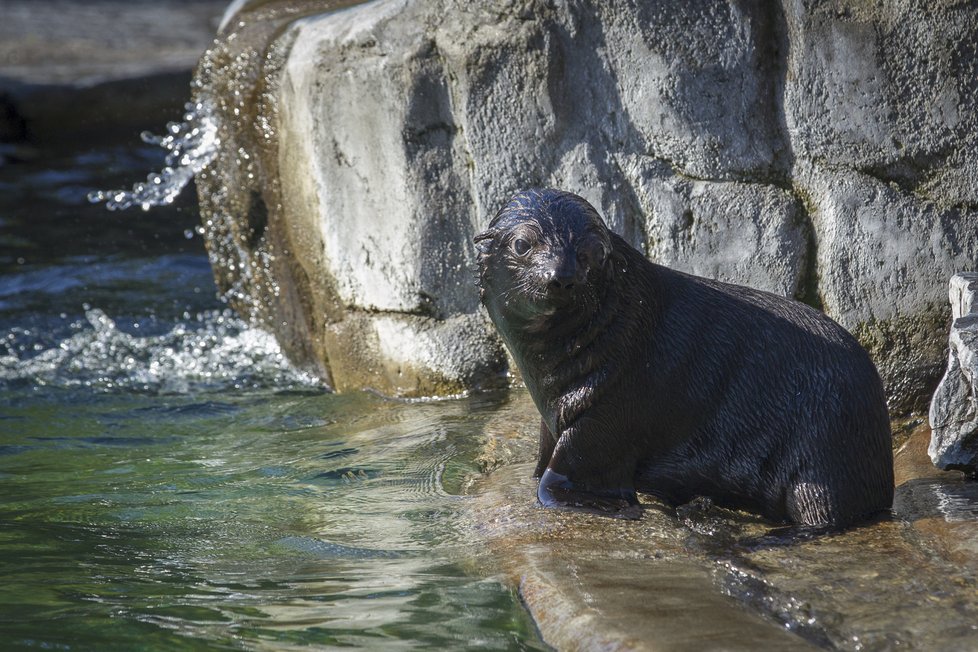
818	150
954	409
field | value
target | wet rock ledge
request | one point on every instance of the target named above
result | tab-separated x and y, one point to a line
825	151
702	578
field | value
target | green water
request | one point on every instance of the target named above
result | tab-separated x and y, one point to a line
168	481
242	521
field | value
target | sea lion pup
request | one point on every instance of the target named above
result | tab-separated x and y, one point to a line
653	380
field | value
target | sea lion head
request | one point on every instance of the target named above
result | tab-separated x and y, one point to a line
545	254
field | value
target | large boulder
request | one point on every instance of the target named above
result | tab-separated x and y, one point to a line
817	150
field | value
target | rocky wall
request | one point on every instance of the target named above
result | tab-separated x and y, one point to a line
820	150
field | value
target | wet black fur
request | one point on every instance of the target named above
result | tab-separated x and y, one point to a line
653	380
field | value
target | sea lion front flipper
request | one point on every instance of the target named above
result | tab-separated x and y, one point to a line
555	490
590	471
547	444
587	471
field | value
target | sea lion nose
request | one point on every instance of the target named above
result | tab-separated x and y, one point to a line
564	276
562	282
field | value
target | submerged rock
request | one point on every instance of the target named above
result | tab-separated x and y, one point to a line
954	409
818	151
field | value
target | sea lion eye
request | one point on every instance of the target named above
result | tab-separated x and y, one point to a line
521	247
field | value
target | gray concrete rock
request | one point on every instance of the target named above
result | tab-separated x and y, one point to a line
954	409
746	233
694	80
882	261
387	168
816	150
885	88
380	143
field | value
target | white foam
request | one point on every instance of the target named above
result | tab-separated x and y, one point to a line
212	351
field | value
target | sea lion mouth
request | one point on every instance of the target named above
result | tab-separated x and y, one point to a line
537	304
562	296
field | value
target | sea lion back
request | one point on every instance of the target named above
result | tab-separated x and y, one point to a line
792	417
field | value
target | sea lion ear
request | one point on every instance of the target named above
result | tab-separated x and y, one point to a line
620	262
483	241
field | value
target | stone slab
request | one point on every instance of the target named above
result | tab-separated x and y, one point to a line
87	71
68	43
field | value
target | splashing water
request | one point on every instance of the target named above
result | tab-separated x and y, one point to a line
213	351
191	146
